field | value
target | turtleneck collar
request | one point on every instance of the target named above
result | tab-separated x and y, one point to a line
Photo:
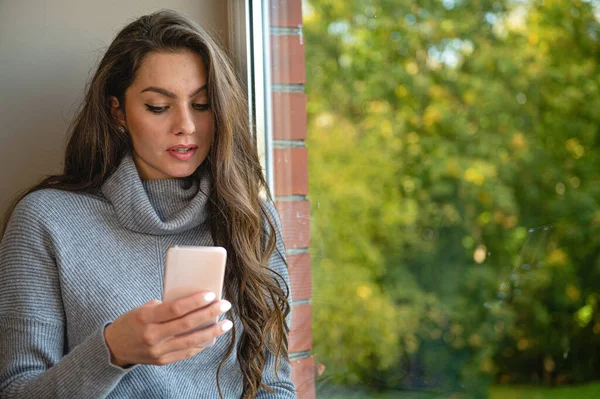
165	206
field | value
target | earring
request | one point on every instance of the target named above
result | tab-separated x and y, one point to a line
121	129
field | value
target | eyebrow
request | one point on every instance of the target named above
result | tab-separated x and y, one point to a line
167	93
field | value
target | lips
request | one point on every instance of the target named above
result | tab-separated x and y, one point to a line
182	152
182	148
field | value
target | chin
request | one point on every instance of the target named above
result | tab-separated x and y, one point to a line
182	172
164	168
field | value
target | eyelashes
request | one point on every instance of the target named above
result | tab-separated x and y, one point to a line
201	107
160	110
156	110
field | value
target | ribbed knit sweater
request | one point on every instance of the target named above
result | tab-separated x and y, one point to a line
71	263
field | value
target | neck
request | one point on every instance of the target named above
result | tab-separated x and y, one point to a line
159	206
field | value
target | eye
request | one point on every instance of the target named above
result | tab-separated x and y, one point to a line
156	110
201	107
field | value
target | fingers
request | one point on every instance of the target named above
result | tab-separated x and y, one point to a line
199	339
177	356
193	320
175	309
153	302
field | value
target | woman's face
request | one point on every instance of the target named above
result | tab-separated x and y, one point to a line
168	115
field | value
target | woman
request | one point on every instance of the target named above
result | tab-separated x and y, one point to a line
160	154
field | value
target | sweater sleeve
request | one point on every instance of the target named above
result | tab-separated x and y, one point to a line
34	362
278	376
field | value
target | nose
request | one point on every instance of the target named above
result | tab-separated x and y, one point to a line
185	123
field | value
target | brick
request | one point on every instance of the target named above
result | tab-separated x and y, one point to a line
301	328
288	60
291	171
289	116
303	374
295	219
300	276
286	13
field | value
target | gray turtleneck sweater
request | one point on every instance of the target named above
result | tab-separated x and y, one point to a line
70	263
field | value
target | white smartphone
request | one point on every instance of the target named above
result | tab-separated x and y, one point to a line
189	270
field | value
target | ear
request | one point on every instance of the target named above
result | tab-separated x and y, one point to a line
116	110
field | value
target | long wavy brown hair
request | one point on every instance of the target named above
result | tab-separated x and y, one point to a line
238	218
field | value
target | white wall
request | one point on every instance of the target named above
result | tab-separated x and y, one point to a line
48	50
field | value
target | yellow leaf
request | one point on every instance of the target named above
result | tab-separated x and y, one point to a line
575	147
431	116
474	176
584	315
518	141
411	68
401	91
523	344
557	257
363	291
533	38
573	292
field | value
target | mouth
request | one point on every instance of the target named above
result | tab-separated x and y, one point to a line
183	152
182	149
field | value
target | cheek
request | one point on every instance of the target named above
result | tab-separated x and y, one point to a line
143	127
204	124
205	127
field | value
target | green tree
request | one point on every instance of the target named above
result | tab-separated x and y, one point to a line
439	133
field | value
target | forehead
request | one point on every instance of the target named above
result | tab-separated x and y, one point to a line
174	71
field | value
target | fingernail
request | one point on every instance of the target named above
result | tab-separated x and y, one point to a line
210	297
225	306
226	326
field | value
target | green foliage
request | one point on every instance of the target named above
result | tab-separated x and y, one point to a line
528	392
496	392
440	132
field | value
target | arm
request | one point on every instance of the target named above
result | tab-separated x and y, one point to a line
280	379
32	325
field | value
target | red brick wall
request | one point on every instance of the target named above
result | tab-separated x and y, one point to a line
291	178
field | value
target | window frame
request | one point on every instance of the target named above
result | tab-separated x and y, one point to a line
249	40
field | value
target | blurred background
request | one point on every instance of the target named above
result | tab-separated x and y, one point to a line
452	175
454	187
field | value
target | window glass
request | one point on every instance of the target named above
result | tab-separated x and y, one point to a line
454	195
